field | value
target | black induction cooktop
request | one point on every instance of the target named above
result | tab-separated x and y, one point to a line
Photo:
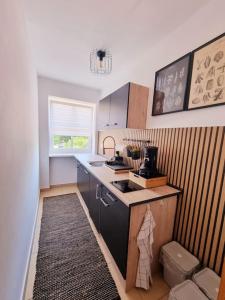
126	186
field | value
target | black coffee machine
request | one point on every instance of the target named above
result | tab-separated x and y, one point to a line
148	168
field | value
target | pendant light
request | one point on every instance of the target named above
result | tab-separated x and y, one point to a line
100	61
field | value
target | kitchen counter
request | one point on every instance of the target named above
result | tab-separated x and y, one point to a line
106	176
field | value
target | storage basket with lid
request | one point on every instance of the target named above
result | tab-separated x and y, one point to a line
209	282
186	290
178	263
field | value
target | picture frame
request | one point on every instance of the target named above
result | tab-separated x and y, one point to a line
207	83
172	86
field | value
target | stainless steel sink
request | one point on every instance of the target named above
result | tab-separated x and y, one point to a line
96	163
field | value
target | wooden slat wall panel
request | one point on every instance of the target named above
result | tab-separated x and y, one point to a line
194	160
222	284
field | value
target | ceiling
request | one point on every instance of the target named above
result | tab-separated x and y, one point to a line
63	32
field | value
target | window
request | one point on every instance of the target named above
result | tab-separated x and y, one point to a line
71	126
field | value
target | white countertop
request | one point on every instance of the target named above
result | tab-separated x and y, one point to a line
106	176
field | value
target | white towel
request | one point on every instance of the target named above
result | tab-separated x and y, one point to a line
144	241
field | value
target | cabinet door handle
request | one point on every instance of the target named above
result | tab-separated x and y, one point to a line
115	124
86	172
110	197
103	202
97	190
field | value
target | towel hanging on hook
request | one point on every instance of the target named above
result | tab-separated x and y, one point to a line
149	207
144	242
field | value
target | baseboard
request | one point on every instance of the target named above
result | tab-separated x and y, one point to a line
45	189
62	185
57	185
22	297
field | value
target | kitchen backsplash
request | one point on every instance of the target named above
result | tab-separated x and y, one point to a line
120	135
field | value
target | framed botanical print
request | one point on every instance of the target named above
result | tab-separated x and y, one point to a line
171	87
208	75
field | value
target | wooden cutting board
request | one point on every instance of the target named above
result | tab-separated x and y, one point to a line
119	169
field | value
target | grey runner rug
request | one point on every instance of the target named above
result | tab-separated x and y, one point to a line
70	265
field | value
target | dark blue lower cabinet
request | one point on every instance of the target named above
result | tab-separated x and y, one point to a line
83	183
108	213
114	227
94	203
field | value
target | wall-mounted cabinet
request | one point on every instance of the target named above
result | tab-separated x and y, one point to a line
124	108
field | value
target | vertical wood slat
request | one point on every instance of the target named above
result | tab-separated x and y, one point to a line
177	152
198	213
208	202
218	221
222	284
198	180
160	151
188	184
194	161
214	201
184	177
204	193
168	150
191	184
171	154
195	186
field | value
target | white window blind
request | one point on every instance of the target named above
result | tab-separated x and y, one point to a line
71	127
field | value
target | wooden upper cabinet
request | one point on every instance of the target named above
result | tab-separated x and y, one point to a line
138	106
124	108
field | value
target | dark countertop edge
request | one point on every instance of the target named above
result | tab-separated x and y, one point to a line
155	199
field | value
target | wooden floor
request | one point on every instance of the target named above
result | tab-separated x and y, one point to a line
159	291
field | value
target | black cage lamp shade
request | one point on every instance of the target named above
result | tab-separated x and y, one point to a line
100	61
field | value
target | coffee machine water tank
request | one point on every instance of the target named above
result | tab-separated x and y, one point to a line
149	166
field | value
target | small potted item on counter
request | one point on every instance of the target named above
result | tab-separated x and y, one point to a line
136	153
129	150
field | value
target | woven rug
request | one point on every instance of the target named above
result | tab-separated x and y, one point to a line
70	265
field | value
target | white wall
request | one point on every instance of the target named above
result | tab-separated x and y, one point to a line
19	186
49	87
62	170
204	25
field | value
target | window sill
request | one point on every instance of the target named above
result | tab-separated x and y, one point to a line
62	155
52	155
